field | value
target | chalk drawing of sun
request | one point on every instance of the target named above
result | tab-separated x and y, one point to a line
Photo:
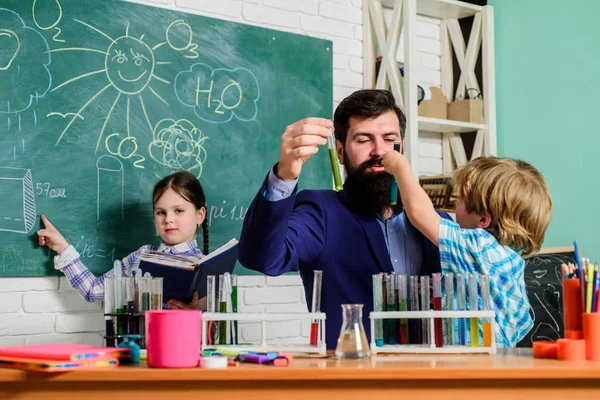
129	65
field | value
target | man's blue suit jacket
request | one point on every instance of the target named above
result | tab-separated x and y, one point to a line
316	230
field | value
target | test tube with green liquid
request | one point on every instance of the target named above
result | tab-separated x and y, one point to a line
473	305
378	306
223	292
391	306
402	283
335	167
461	305
234	308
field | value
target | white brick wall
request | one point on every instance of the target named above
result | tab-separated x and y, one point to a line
46	310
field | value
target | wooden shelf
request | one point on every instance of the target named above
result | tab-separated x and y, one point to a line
441	9
445	125
385	39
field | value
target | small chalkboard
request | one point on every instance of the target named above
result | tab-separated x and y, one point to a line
543	279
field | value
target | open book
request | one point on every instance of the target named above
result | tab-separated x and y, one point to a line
183	276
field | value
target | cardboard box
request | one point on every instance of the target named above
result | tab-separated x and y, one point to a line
468	110
437	107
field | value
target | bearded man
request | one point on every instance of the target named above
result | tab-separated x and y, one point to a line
350	235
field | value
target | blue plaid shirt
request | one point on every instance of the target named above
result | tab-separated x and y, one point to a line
478	251
92	288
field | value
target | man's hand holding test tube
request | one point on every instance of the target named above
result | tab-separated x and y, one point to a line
299	142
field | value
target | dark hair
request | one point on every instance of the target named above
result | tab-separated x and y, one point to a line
187	186
367	103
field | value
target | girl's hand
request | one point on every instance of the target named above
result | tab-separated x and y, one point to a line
51	237
393	162
178	305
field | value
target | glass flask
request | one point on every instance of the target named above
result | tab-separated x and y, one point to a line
352	343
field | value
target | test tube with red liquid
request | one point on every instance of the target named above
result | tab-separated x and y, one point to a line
437	306
316	307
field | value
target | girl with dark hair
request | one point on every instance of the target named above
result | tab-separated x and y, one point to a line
179	209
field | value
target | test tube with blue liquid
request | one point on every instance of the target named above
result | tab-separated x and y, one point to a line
335	167
425	306
394	190
378	306
449	306
474	306
461	304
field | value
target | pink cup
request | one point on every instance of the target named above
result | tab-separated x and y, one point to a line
173	338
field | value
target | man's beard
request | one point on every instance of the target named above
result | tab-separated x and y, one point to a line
369	191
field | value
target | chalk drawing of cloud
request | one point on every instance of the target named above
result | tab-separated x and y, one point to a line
178	145
218	95
24	60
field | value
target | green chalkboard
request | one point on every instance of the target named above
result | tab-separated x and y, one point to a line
100	99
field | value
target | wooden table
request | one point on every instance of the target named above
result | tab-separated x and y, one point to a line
508	375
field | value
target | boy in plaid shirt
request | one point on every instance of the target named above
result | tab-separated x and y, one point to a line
502	213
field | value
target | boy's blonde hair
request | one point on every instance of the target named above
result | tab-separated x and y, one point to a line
513	193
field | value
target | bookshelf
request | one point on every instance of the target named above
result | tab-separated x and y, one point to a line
382	39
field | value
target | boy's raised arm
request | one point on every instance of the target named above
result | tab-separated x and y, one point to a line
417	204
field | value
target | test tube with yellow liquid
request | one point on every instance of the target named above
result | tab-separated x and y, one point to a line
335	167
473	300
486	324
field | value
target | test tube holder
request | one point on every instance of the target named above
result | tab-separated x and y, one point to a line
430	317
135	320
263	318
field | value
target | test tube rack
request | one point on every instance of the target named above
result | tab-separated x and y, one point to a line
320	348
430	317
